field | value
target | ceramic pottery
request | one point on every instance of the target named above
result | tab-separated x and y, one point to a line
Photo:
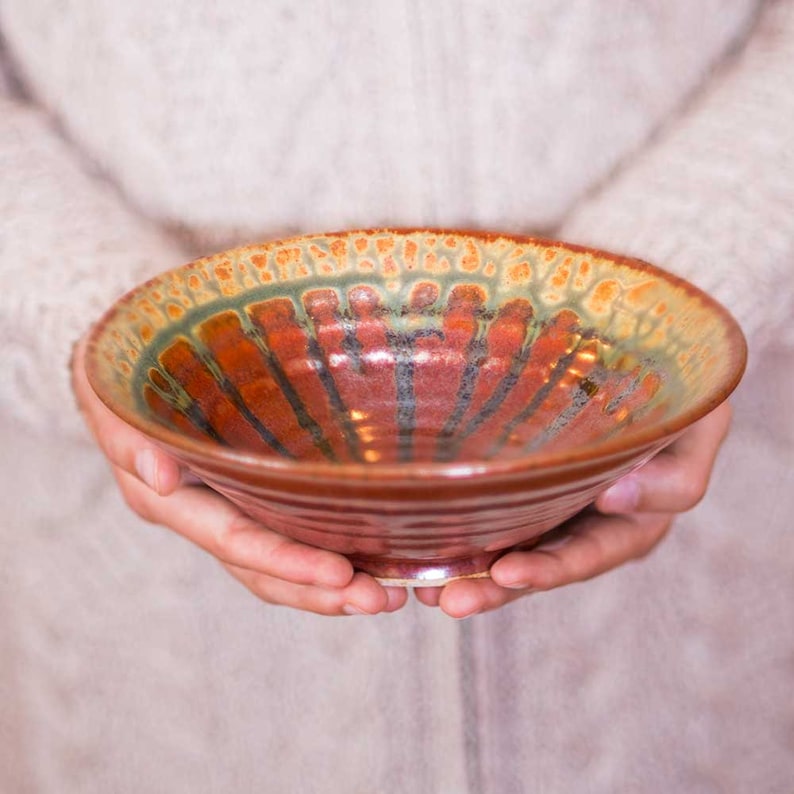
418	400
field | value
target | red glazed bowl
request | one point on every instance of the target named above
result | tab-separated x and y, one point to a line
419	400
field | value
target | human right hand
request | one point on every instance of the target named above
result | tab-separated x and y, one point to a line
276	569
625	523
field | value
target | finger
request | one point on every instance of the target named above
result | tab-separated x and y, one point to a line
212	522
676	479
595	544
467	597
123	445
362	596
429	596
397	598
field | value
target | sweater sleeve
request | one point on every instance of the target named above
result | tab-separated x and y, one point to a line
68	247
712	196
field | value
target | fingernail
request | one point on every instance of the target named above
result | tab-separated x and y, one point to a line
510	580
623	496
517	584
513	582
352	609
146	467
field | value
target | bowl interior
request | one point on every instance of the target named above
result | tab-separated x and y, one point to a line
394	347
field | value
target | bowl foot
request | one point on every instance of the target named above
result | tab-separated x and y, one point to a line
425	573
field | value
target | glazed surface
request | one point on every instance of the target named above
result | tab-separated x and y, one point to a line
417	400
419	346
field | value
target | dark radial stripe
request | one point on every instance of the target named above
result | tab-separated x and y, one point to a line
586	389
476	352
402	345
302	414
628	392
557	374
230	390
182	402
334	397
197	418
493	403
350	342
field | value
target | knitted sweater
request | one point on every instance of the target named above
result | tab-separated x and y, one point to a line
133	136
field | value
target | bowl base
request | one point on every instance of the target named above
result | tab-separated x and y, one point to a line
425	573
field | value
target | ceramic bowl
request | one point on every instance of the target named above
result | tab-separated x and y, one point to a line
419	400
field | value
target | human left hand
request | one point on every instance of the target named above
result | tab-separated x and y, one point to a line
274	568
625	523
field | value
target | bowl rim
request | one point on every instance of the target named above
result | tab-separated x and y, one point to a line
654	435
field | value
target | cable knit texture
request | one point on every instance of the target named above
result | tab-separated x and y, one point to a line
133	134
250	117
68	247
712	198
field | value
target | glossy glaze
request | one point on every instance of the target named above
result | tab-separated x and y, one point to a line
419	400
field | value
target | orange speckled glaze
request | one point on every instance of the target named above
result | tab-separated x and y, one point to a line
420	400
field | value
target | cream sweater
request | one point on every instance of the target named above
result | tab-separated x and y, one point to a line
135	135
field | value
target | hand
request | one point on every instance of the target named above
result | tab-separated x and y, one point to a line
274	568
626	523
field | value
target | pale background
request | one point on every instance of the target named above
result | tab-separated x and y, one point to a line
133	136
